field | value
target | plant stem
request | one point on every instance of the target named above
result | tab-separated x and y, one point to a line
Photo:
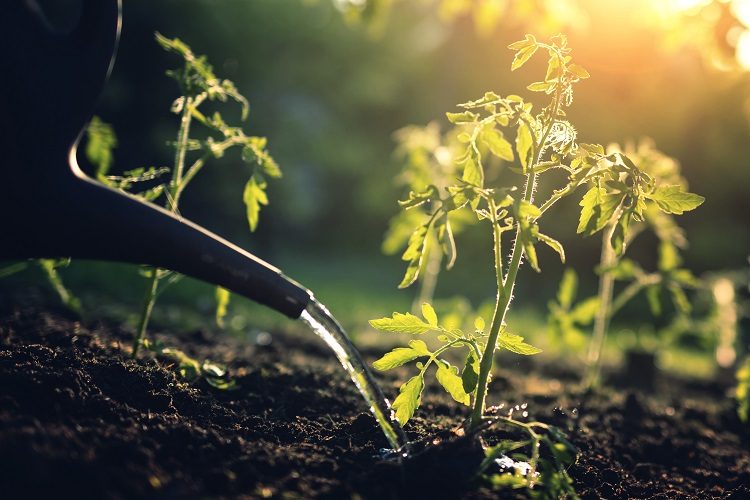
601	321
505	287
148	306
172	204
502	303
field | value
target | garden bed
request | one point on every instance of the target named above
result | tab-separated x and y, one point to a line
78	418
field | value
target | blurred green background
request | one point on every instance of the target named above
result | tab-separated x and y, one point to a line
329	93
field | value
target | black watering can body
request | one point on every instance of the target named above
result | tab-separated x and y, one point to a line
49	208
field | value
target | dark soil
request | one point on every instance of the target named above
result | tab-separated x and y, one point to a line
79	419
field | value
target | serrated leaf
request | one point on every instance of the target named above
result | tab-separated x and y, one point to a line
473	173
522	56
401	323
414	254
408	399
524	142
497	144
418	198
429	314
402	355
547	87
597	209
254	196
462	118
470	373
553	244
674	200
620	233
579	71
515	343
528	41
447	376
222	296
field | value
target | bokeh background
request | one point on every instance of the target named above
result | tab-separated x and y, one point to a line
329	81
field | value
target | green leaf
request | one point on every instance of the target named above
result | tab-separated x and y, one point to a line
553	244
408	399
447	376
524	142
579	71
522	56
528	41
597	209
429	314
669	257
497	144
566	294
473	173
222	301
583	313
414	254
479	324
254	196
547	87
470	373
515	343
100	141
620	233
674	200
402	355
418	198
465	117
402	323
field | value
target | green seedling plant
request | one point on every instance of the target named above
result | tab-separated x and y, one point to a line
617	190
669	198
191	369
198	86
49	268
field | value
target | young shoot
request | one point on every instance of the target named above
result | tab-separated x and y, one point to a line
496	128
198	86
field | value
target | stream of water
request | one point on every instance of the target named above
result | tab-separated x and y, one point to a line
326	327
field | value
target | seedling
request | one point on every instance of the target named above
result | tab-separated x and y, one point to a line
618	192
49	267
191	369
669	198
198	85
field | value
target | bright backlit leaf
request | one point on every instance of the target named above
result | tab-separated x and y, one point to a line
402	323
408	399
448	377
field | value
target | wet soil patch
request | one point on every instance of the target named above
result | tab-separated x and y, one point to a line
78	419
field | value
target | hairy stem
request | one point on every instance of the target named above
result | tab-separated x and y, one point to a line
172	204
505	287
148	307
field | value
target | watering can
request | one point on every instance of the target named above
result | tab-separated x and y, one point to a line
50	208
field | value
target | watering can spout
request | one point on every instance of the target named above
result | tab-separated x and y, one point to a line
50	208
